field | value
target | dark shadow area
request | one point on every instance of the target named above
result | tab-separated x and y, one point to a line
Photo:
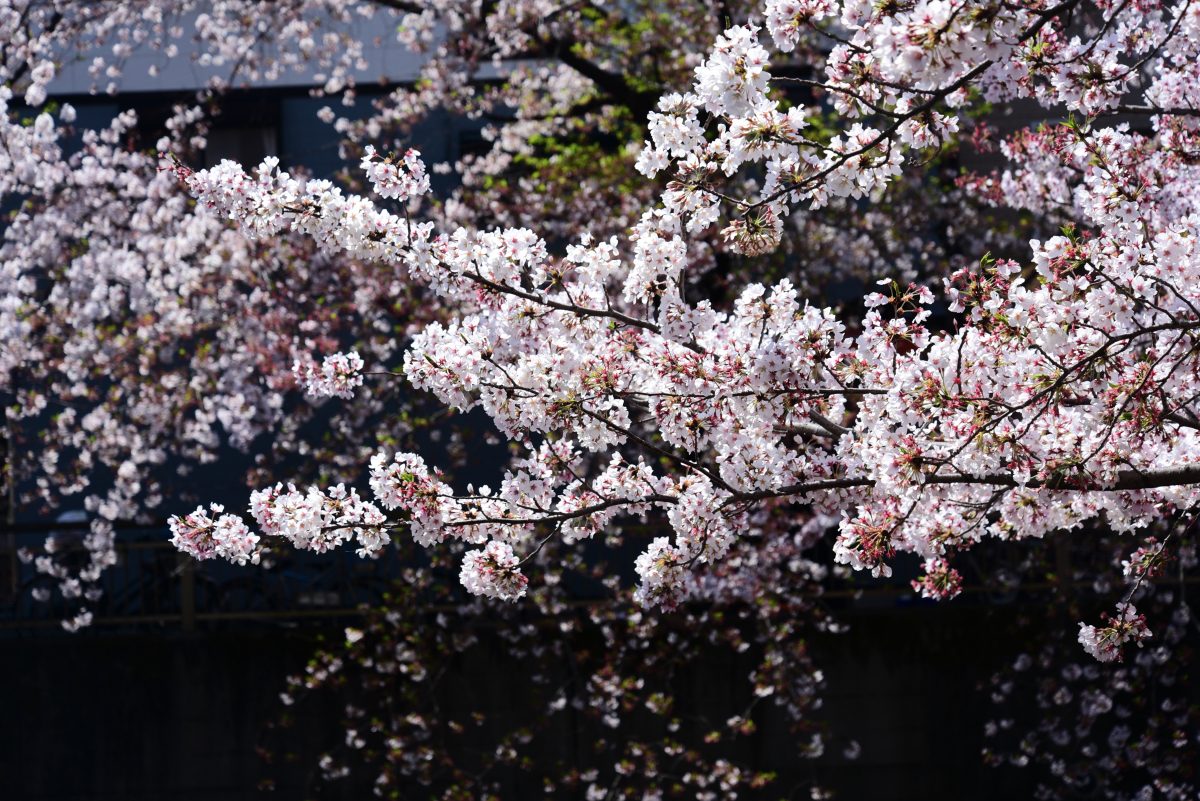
102	716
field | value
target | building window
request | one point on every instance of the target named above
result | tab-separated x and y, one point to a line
246	146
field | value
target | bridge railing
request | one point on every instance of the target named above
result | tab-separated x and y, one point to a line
154	584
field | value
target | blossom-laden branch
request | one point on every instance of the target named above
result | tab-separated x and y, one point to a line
933	436
1059	399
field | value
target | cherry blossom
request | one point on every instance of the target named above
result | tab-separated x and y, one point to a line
941	425
633	284
203	536
940	581
494	572
1145	562
337	376
1105	643
390	181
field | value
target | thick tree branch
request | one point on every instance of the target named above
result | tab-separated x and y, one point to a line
1128	479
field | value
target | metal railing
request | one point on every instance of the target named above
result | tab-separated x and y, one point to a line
154	584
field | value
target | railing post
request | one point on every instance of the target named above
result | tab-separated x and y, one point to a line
10	516
187	591
14	565
1062	561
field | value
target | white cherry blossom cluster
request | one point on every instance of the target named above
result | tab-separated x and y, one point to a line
337	376
733	84
494	572
317	520
1105	642
80	583
405	483
275	201
786	19
402	179
202	536
912	67
81	620
733	80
